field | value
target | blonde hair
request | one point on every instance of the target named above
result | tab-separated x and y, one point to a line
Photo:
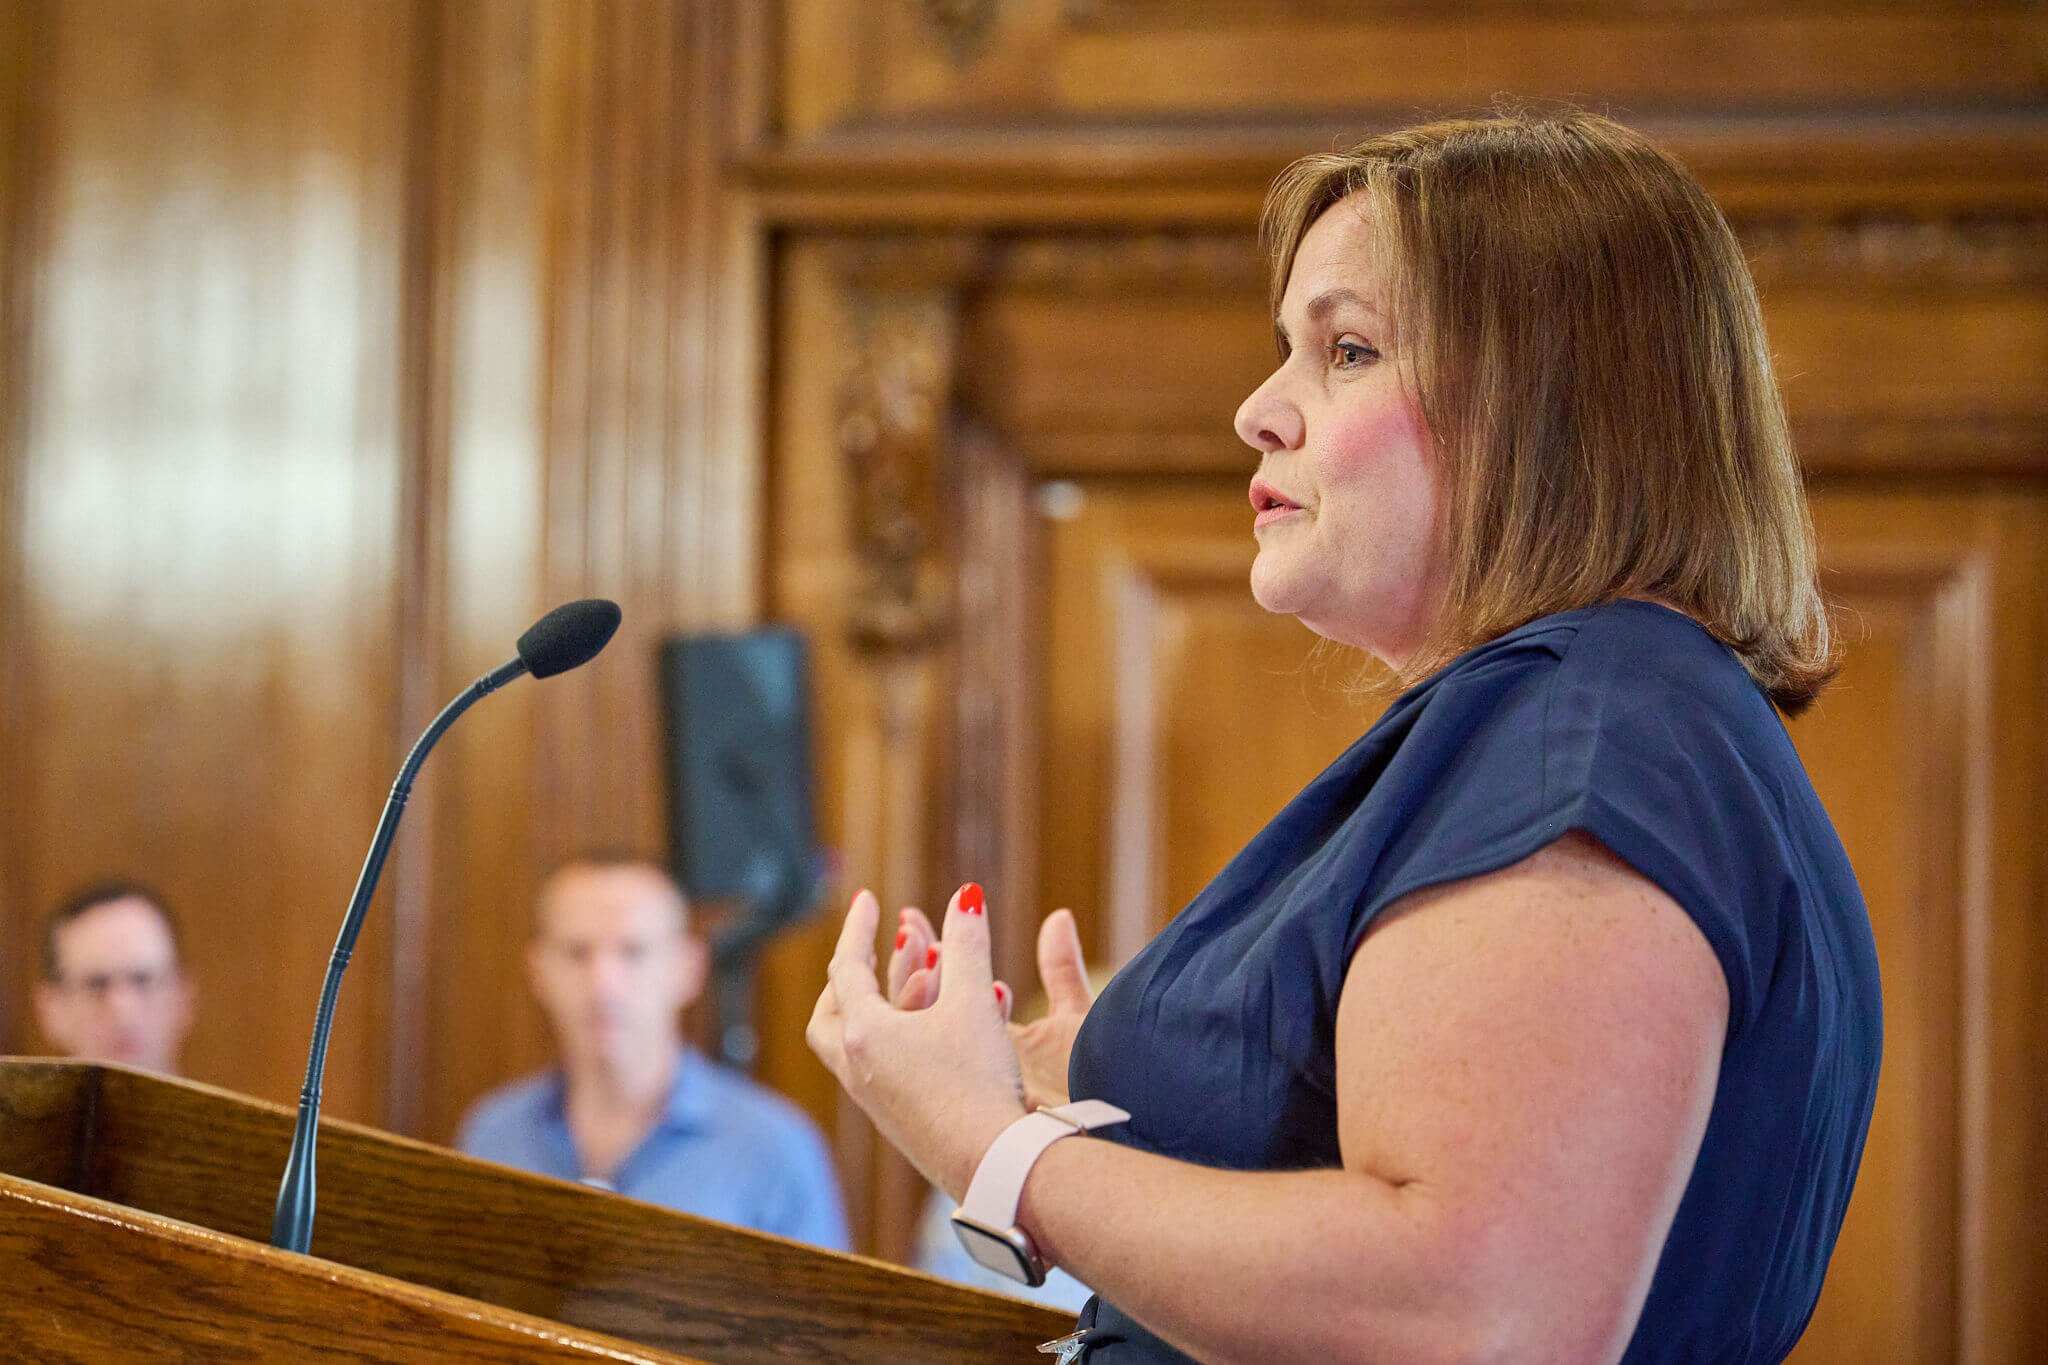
1589	354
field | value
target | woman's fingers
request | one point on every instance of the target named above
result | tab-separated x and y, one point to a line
914	978
823	1033
1061	967
964	947
914	967
921	991
913	938
857	931
851	973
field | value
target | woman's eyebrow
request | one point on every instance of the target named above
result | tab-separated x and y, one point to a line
1321	306
1330	300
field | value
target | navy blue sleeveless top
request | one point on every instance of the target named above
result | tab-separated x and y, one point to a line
1627	721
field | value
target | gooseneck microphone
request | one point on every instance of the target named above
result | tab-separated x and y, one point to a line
567	637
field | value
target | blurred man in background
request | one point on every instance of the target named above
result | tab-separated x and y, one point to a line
114	988
633	1107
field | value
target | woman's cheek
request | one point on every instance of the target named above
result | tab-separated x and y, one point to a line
1384	435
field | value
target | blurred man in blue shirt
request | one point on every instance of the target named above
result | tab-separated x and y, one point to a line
633	1107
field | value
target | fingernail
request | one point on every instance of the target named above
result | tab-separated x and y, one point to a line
931	956
1002	992
970	899
858	894
901	936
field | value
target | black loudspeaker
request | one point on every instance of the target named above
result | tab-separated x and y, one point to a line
737	713
739	761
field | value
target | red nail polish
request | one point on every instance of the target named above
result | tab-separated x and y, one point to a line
971	899
931	956
901	935
1001	991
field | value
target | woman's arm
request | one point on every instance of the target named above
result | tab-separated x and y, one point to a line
1525	1066
1526	1061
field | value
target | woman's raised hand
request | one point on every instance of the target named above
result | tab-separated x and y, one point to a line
930	1062
1045	1045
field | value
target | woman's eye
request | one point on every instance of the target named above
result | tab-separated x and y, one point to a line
1350	354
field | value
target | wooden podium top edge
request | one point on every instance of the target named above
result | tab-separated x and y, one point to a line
206	1242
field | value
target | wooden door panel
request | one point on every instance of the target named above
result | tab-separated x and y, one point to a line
1180	716
1884	748
1926	754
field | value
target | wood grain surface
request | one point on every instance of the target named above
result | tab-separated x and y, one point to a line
90	1281
432	1218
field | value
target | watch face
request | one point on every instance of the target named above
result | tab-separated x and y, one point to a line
1003	1250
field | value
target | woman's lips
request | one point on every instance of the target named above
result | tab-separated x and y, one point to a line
1270	504
1271	515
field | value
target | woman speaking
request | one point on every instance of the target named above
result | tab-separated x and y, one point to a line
1544	1024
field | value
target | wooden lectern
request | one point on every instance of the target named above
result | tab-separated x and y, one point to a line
135	1222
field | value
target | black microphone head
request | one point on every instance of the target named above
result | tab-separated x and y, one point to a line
568	637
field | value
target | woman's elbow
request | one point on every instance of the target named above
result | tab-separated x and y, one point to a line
1495	1303
1499	1335
1554	1325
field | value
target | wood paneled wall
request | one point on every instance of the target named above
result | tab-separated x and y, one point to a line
343	339
209	476
596	306
337	340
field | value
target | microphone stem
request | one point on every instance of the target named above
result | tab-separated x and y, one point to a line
291	1227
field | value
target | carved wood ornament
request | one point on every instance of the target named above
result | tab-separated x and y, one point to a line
893	418
964	25
892	424
2008	247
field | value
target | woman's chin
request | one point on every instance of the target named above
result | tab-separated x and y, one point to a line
1271	588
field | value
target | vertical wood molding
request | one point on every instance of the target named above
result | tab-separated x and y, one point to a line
565	100
938	783
423	617
1963	629
994	775
1944	603
716	497
24	38
1136	881
1957	780
893	425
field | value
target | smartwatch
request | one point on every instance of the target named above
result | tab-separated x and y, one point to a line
986	1221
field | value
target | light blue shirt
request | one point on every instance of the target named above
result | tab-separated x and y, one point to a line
726	1149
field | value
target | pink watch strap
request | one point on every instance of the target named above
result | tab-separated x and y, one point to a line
998	1183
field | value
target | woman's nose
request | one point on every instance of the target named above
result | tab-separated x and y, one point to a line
1266	421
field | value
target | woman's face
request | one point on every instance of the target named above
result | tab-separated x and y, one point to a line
1346	500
